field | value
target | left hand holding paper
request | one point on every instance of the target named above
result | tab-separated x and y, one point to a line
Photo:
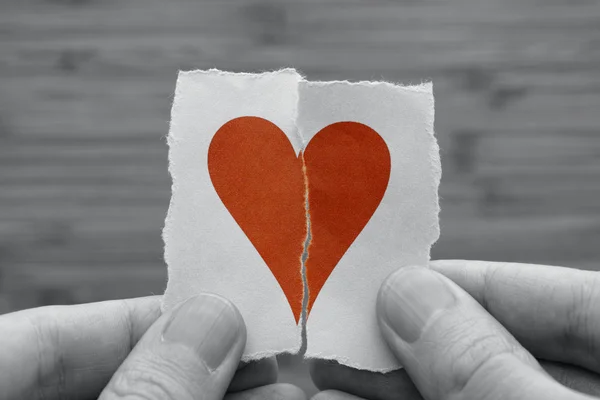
481	330
126	349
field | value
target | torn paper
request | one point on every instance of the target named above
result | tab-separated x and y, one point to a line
267	168
400	230
205	249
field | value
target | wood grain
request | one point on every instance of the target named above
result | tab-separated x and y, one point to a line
86	87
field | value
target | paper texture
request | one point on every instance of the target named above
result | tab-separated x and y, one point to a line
269	168
342	322
205	249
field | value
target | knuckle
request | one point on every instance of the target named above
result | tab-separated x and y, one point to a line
496	377
583	327
149	379
468	357
466	354
490	279
49	358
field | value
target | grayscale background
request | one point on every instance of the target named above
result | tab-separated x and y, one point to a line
86	89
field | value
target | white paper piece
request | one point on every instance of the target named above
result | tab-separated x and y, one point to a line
205	249
342	324
361	156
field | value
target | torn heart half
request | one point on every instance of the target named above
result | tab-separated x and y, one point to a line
316	202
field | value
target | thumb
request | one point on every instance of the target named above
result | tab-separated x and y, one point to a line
190	352
452	348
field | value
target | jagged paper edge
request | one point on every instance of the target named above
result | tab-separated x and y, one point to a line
424	87
171	140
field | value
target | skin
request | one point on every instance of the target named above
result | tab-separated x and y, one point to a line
116	350
516	331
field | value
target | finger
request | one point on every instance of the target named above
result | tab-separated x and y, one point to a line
552	311
334	395
574	377
452	348
254	374
190	352
73	351
271	392
394	385
69	351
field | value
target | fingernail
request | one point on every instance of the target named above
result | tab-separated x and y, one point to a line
206	324
410	297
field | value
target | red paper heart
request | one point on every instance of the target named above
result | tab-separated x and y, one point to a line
260	180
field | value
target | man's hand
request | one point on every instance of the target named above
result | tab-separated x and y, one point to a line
474	330
126	349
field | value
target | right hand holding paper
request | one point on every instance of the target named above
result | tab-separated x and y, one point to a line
295	200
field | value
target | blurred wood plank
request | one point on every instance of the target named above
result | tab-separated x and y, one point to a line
86	88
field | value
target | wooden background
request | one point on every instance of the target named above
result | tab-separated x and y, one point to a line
86	88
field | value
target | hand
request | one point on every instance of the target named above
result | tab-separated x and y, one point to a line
126	349
473	330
